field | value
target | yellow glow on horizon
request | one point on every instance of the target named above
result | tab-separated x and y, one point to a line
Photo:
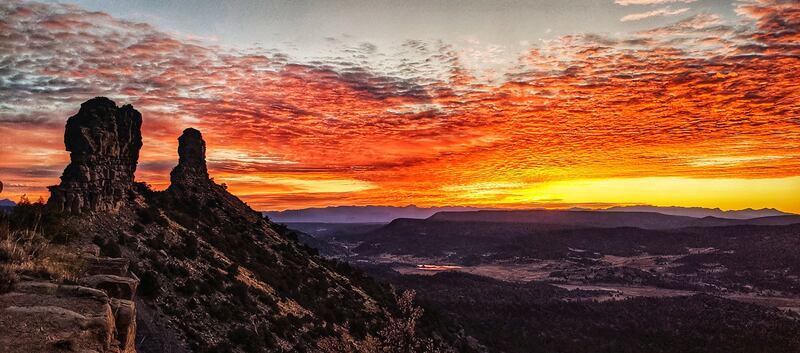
727	193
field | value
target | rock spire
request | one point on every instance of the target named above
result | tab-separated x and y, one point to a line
191	169
104	142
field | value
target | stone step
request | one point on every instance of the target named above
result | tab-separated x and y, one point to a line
61	290
114	286
116	266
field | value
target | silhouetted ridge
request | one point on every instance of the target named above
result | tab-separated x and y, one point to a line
212	275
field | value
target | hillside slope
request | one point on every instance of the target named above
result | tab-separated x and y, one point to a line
214	276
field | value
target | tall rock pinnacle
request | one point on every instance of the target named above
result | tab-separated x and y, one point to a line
104	142
191	168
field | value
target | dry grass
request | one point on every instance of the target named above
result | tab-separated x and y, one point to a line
29	252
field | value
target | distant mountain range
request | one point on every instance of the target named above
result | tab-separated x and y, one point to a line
700	212
385	214
605	219
359	214
7	205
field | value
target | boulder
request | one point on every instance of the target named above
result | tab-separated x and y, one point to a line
52	289
90	250
106	266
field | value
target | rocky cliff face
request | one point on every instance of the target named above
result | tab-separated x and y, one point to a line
104	142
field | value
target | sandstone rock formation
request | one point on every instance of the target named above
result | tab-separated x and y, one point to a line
104	142
191	168
215	275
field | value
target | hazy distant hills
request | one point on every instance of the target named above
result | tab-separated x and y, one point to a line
501	241
358	214
7	205
637	216
700	212
605	219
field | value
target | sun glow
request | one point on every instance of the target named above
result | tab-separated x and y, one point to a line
669	191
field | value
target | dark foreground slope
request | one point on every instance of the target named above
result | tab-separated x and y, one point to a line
212	274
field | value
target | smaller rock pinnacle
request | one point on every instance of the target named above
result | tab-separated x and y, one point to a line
191	166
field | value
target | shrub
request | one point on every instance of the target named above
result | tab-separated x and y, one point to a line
240	294
7	279
245	338
358	329
188	287
221	311
233	270
107	247
63	234
145	215
190	249
149	285
26	246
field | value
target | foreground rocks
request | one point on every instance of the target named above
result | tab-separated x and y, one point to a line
46	317
115	286
97	316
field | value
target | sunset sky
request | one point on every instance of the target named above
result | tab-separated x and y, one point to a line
588	103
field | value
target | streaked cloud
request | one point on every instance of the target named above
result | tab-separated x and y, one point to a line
661	12
732	161
651	2
288	184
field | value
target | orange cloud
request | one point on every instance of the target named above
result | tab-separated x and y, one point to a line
695	100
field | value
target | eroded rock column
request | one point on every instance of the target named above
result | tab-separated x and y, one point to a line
104	142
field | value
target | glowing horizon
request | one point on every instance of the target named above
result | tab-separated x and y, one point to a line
694	106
